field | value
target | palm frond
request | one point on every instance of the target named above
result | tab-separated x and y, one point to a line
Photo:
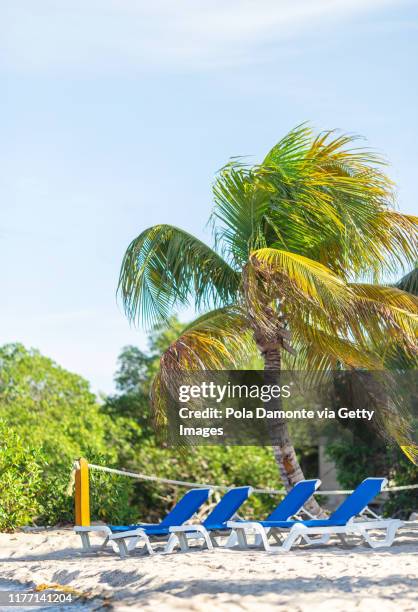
165	267
322	197
311	278
333	203
390	296
387	313
315	347
241	201
217	340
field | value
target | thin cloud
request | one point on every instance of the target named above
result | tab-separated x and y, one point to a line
112	35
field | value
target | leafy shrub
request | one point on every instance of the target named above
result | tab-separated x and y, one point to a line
52	418
20	480
221	465
356	461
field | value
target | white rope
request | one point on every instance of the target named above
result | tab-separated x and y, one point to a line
402	487
200	485
183	483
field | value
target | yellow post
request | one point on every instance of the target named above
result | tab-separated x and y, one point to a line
82	494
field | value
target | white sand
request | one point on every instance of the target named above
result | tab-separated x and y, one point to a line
326	578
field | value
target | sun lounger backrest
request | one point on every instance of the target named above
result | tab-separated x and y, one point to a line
227	506
186	507
294	500
359	499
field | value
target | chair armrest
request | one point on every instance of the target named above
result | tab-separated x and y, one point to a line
117	535
374	524
98	528
187	529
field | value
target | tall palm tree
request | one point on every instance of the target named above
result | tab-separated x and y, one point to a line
291	235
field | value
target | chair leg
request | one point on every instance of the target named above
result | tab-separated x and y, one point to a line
85	541
141	537
343	539
258	541
232	539
123	549
184	545
262	537
104	543
391	530
208	539
321	540
241	539
173	542
147	544
295	533
276	535
131	543
182	539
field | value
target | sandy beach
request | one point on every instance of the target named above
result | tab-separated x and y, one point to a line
320	578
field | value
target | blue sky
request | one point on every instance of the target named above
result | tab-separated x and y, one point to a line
116	115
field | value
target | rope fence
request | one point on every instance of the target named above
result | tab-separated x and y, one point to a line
199	485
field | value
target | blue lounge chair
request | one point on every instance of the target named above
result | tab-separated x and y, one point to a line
341	523
125	537
215	522
294	500
289	507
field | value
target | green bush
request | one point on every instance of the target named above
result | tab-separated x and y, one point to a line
229	466
50	418
21	470
357	460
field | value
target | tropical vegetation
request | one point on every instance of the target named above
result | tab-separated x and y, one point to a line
305	246
49	418
301	242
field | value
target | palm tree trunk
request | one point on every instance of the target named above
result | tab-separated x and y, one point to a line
283	450
270	335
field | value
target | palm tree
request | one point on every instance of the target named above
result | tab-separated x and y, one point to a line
292	235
